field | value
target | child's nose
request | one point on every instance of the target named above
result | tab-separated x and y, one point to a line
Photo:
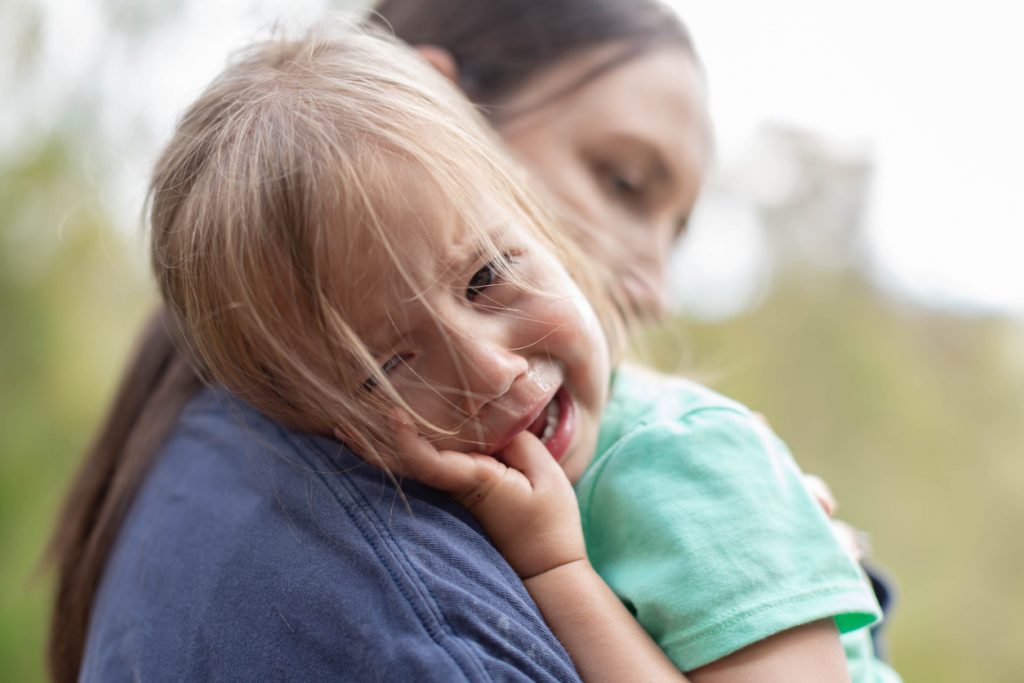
488	370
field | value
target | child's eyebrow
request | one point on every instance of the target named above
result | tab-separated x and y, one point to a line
482	248
467	261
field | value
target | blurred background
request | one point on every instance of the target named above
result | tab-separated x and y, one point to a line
853	272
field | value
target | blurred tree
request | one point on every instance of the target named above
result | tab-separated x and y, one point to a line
71	294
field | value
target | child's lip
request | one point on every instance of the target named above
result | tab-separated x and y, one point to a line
524	421
560	440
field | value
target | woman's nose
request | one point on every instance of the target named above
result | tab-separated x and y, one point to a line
642	282
485	370
644	295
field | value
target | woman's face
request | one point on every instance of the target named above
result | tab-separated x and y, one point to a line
626	154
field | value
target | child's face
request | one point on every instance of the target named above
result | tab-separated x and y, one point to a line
474	353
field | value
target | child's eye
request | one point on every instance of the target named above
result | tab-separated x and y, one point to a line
490	275
481	280
390	364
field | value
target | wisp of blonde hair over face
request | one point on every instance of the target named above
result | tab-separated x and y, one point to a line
275	182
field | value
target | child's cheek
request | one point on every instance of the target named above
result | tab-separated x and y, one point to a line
589	337
424	403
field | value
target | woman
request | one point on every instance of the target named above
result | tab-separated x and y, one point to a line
203	540
605	104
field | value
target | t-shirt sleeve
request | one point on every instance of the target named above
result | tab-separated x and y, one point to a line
703	528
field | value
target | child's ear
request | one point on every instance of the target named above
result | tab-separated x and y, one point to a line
440	59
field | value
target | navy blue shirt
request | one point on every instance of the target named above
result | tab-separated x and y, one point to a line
257	553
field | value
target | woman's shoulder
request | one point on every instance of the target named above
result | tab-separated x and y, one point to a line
253	549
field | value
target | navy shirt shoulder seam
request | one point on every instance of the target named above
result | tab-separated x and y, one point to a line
399	567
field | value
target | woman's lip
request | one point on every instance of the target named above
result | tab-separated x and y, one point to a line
559	442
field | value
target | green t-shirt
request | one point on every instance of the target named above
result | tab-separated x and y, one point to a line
695	514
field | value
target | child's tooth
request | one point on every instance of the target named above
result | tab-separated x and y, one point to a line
548	431
552	414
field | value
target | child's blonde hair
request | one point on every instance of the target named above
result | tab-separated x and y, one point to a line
276	181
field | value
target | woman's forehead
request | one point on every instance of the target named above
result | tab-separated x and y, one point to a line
650	110
660	93
660	101
608	69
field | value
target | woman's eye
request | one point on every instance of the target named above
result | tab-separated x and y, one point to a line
623	185
623	180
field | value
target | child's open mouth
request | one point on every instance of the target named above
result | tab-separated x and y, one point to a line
556	424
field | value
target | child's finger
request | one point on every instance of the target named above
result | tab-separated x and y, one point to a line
821	492
527	454
856	543
417	458
457	473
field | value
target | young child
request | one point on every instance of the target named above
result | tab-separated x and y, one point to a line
341	244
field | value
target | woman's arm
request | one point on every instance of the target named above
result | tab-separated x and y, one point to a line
528	507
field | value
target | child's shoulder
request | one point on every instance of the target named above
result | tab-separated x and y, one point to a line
661	417
641	395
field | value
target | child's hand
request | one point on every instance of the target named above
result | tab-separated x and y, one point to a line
524	502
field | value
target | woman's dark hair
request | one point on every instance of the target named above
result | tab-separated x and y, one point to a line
155	387
498	45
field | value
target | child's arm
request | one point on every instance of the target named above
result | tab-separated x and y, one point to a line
528	508
807	653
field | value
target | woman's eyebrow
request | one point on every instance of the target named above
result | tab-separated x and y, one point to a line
646	150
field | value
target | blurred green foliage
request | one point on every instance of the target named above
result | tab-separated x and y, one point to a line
71	294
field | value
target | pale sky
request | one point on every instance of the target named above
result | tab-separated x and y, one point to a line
930	88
